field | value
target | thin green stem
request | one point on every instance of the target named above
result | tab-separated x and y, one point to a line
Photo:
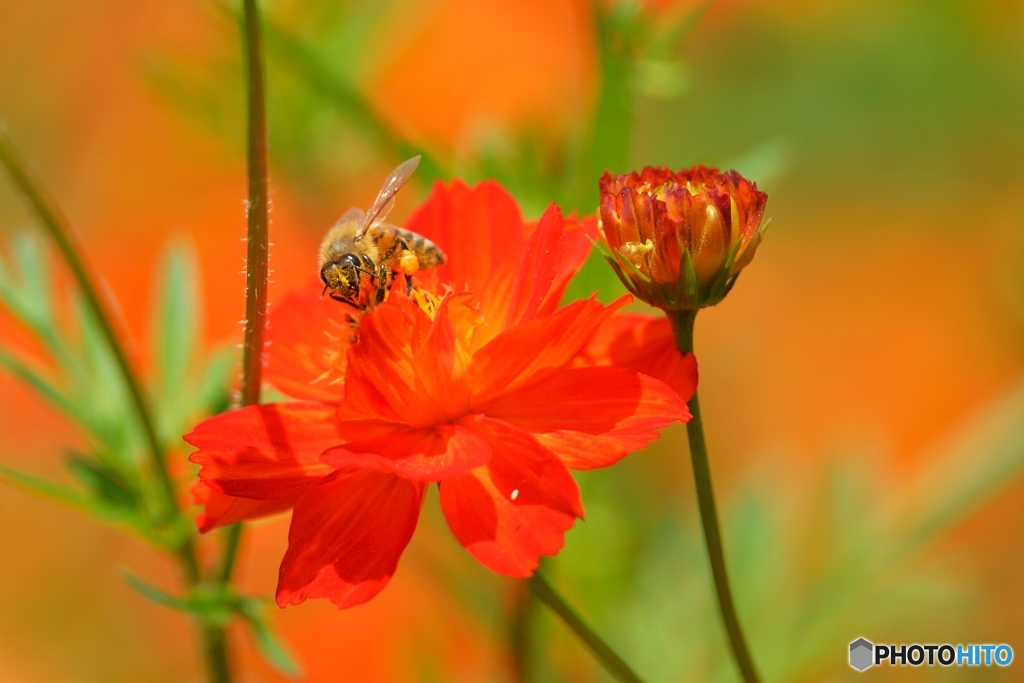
521	613
256	272
232	538
612	663
54	221
682	326
215	649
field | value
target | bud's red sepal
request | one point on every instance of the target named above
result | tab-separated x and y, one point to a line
679	240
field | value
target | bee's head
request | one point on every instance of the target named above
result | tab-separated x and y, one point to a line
342	275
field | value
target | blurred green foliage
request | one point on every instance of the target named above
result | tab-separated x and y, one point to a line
81	379
113	480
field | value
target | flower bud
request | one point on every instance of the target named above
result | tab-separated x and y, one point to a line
679	240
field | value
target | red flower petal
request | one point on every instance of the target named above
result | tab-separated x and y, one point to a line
591	417
346	536
267	451
220	509
578	245
513	357
537	268
425	454
407	368
307	337
516	508
480	229
645	344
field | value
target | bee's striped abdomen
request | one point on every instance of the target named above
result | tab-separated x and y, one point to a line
428	253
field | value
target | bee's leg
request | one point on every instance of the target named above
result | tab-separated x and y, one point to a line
404	253
408	285
345	300
399	243
382	285
368	263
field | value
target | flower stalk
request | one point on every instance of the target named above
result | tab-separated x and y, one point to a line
520	622
256	270
682	327
611	662
256	276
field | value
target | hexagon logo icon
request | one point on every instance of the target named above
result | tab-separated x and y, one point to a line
861	654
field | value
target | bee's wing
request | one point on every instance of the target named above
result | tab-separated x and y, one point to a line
386	198
353	215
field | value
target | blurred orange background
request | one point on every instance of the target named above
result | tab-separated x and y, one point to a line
883	316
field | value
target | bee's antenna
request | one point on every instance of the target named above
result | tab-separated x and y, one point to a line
326	287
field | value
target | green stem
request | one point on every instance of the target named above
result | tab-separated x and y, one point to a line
53	219
256	272
682	326
612	663
215	649
232	538
520	620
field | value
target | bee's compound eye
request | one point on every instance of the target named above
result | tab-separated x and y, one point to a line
349	261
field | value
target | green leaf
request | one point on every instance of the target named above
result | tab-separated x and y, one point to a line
104	483
47	489
213	394
105	401
154	594
320	74
24	284
273	649
670	41
36	381
766	163
981	459
176	330
28	254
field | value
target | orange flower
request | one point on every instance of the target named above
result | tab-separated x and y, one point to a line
679	240
494	394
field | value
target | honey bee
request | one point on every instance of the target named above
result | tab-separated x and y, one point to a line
361	256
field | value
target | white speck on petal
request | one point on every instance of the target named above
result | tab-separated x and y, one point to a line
515	494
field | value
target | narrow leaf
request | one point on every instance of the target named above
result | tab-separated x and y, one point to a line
36	381
213	395
321	75
28	254
104	483
47	489
982	458
154	594
176	326
272	647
